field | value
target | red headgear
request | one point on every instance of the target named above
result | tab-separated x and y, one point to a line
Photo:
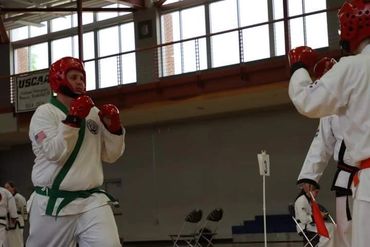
322	66
58	74
354	22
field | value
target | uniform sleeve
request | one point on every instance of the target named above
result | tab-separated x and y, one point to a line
12	208
302	210
50	137
23	206
325	96
319	153
113	145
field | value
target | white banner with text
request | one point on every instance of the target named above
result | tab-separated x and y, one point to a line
32	90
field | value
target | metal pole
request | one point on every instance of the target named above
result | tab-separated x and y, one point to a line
264	210
286	26
80	30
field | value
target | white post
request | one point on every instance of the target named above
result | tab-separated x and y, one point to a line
264	210
264	168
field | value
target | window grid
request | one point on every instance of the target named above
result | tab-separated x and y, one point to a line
174	57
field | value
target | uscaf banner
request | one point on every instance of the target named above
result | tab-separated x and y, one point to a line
32	90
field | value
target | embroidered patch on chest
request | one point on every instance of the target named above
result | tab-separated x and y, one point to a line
92	126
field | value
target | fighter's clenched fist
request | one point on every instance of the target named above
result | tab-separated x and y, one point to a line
109	115
78	110
302	57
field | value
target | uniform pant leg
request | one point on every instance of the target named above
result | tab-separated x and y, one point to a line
15	237
344	226
50	231
3	237
360	223
97	228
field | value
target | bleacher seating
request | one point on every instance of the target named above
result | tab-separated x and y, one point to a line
279	228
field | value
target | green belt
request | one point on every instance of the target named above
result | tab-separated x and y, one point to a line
68	196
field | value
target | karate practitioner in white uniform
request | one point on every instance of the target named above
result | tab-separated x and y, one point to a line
328	142
70	139
7	209
15	231
344	91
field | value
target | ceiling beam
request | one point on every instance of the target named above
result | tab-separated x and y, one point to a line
70	9
4	39
133	3
159	3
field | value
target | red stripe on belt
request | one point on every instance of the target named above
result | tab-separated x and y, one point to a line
363	165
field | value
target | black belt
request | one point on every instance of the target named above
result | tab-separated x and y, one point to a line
339	192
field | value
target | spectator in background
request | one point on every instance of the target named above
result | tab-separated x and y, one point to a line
8	213
303	214
15	231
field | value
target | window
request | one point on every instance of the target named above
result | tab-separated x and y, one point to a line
98	43
31	58
87	17
19	33
128	61
21	60
90	75
108	72
108	41
278	13
191	50
186	56
303	30
39	56
111	14
37	31
224	47
61	23
88	46
61	48
256	43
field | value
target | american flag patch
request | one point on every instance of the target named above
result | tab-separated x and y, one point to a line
39	137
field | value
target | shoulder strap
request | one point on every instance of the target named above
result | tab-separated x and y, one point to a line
67	166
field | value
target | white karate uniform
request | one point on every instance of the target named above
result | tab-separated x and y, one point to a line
15	232
327	143
303	213
344	91
52	143
7	207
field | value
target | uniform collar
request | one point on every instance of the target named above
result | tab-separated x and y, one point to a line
53	100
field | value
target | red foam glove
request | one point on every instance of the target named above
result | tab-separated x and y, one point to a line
302	57
109	115
322	66
78	110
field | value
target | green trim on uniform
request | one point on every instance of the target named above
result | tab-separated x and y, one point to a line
68	164
54	101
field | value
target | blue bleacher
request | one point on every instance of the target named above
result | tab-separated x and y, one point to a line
275	224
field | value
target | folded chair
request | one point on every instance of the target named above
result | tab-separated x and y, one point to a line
187	236
311	240
209	228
